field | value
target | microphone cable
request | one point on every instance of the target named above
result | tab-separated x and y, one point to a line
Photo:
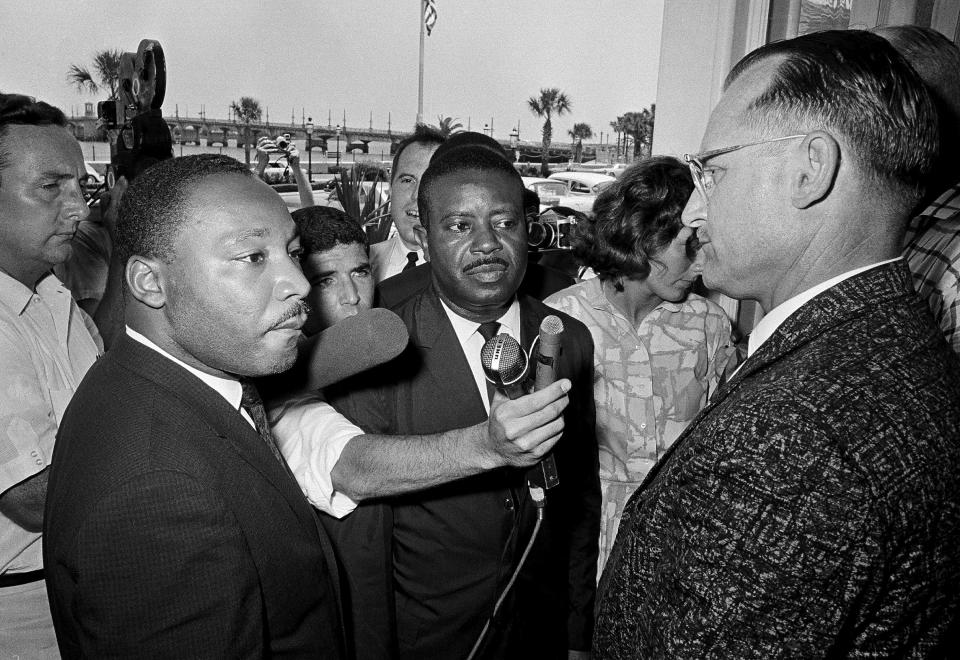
539	497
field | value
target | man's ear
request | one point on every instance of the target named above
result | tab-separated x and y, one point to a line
420	236
817	163
146	280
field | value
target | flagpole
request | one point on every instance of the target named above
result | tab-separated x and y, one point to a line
422	39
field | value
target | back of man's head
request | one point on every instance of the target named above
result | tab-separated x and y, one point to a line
422	134
323	227
855	85
937	60
468	157
155	205
469	139
18	109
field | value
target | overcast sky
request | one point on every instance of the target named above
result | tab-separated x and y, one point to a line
483	60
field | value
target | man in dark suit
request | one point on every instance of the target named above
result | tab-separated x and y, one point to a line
812	509
454	547
173	526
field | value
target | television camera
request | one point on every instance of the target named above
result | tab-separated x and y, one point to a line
133	121
553	228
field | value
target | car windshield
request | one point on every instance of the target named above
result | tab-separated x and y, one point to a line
550	188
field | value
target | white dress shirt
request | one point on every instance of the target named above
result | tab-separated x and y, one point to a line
389	257
471	341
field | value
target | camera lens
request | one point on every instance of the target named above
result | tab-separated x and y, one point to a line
539	234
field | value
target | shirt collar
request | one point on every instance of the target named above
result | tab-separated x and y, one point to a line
229	388
464	328
769	323
16	296
598	299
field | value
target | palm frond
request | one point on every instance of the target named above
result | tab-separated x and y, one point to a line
80	76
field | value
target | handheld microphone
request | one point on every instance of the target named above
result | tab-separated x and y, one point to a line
504	364
355	344
544	474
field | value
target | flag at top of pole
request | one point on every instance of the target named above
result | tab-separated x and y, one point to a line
429	15
429	19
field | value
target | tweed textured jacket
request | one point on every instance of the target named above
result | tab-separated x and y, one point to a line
813	507
171	531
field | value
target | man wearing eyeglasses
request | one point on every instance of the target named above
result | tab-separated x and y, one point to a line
813	508
46	346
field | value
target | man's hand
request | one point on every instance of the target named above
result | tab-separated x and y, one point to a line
521	431
264	146
293	156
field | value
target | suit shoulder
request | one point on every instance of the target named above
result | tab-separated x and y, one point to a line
571	325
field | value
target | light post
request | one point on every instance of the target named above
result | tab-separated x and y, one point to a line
338	147
515	144
486	129
310	148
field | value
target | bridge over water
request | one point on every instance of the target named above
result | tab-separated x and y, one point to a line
203	131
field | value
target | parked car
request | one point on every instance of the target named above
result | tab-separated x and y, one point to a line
325	192
614	170
550	191
582	188
93	183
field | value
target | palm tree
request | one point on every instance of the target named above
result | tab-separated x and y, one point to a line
106	66
551	100
246	110
578	134
448	125
639	126
617	127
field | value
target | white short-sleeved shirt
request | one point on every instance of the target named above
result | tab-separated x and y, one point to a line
47	344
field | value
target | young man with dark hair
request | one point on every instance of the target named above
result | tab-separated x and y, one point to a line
47	344
335	261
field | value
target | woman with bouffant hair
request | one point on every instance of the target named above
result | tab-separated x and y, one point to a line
659	350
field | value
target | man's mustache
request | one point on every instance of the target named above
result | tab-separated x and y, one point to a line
486	261
300	307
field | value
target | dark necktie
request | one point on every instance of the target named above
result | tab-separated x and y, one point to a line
411	261
251	402
488	331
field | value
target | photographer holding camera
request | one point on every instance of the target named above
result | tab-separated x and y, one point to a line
285	147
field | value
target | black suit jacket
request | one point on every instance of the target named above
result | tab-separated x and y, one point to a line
171	531
454	547
538	282
812	509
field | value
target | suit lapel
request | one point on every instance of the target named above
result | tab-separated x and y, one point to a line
443	359
234	431
529	323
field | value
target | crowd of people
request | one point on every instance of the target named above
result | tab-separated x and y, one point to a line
173	483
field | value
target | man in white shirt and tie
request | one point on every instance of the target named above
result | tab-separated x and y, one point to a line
402	250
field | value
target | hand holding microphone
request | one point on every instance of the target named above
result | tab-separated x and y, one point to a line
505	364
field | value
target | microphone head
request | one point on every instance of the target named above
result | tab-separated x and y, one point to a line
551	325
355	344
504	360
